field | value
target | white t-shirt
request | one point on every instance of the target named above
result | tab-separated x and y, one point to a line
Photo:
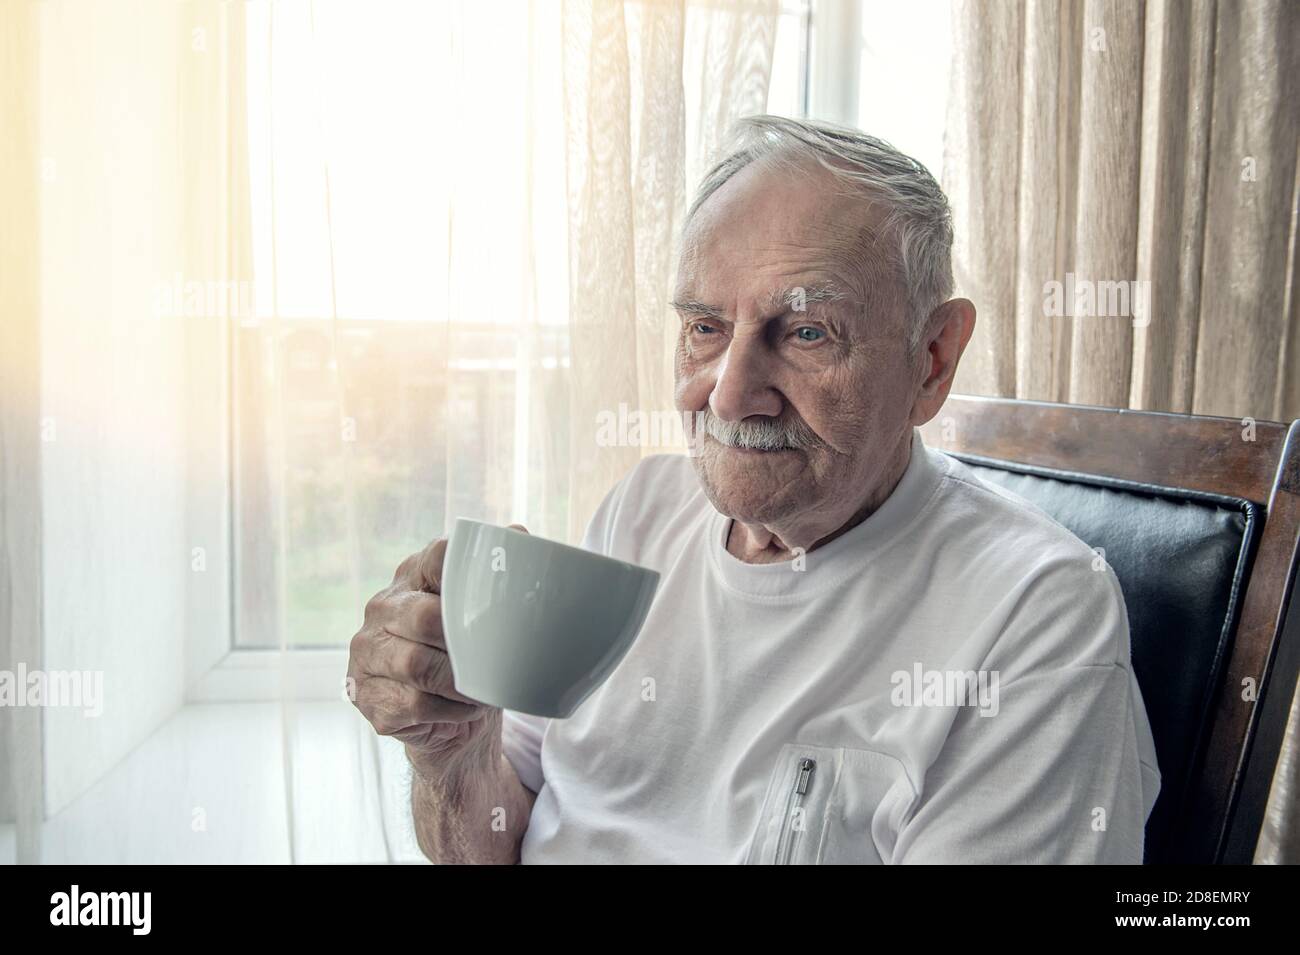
814	711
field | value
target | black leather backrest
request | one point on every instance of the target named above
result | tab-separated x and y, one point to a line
1182	558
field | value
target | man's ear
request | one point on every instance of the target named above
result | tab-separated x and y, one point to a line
950	327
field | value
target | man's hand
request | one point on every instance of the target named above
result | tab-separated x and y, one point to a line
402	680
467	802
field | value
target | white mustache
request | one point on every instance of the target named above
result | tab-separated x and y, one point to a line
759	434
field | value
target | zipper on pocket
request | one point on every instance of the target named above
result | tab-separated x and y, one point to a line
789	834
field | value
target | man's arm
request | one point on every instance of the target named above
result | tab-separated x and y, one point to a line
1062	769
475	813
1054	777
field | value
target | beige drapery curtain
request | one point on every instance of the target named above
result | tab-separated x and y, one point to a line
456	226
1149	142
1126	141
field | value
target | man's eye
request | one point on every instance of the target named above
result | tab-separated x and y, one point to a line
807	333
703	329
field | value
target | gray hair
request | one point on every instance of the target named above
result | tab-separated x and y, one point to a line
915	210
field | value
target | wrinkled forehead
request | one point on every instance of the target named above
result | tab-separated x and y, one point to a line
773	224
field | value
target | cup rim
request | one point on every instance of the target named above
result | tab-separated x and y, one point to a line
554	543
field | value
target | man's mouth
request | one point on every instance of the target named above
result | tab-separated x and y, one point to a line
748	450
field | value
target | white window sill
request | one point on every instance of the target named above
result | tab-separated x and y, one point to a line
249	676
209	786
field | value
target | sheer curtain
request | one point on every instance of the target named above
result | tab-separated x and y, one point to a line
308	281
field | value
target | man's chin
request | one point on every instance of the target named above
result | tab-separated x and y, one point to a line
747	510
742	484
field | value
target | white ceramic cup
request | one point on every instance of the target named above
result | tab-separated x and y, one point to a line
533	625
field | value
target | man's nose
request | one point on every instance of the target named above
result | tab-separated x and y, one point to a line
744	384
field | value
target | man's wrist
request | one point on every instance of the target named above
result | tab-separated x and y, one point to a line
451	774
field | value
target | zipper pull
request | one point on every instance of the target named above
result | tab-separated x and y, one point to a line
806	767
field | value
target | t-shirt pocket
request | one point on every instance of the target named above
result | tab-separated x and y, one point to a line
829	805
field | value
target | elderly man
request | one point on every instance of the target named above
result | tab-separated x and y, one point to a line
859	651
